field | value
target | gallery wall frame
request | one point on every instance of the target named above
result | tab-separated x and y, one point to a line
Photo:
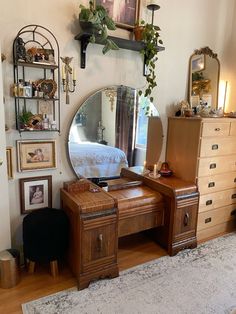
35	193
36	155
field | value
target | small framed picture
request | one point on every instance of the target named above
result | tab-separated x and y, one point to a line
9	162
198	63
36	155
35	193
124	13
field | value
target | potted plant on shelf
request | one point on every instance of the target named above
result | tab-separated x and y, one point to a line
24	118
150	37
95	20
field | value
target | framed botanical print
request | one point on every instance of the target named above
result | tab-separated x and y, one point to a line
35	193
124	13
36	155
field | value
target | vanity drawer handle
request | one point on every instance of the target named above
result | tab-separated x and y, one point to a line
212	166
233	196
207	220
215	147
209	202
217	129
100	240
211	184
186	219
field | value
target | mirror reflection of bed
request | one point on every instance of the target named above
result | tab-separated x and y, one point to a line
113	129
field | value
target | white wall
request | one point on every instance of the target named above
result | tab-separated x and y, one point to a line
5	236
186	25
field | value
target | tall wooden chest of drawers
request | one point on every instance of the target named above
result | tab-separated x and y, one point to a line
203	150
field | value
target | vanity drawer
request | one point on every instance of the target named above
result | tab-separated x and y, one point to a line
216	183
98	243
232	128
217	216
217	146
216	200
215	129
214	165
185	222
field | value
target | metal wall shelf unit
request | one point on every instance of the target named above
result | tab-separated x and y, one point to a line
26	69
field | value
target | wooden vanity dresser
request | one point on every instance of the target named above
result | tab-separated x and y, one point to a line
167	207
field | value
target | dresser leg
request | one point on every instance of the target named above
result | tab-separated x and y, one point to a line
54	268
31	267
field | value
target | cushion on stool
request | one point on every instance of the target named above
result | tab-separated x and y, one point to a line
45	234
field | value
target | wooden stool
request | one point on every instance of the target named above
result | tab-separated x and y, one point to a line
53	268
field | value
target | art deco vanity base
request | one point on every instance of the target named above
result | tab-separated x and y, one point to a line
165	206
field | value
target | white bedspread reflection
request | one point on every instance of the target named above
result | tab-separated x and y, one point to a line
96	160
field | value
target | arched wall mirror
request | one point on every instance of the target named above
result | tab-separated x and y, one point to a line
204	75
110	131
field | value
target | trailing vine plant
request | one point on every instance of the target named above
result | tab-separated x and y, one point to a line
151	39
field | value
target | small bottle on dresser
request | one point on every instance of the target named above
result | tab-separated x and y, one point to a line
45	123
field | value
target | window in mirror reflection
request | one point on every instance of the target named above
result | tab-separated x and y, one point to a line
145	110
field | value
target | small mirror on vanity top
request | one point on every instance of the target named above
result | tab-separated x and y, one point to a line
112	130
203	78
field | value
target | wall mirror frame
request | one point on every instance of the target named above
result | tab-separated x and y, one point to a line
203	78
111	130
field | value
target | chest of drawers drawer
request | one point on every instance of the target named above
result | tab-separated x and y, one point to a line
217	146
216	200
215	129
219	182
216	164
217	216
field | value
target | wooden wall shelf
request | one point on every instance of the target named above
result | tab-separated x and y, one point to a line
121	43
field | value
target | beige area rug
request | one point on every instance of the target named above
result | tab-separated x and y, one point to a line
196	281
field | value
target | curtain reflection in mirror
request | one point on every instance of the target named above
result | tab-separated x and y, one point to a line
126	121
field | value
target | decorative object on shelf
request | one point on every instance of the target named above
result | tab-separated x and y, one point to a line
20	49
124	13
138	31
153	6
165	170
96	21
150	37
47	88
35	193
68	78
36	155
36	50
24	118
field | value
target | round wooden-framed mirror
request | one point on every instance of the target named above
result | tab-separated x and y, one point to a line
109	131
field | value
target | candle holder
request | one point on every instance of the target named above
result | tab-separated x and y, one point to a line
153	6
68	78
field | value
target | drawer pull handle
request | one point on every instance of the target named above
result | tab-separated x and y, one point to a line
233	213
207	220
217	129
212	166
233	196
100	240
211	184
186	219
209	202
234	180
214	147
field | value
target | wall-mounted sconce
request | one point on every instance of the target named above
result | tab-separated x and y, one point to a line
68	77
153	6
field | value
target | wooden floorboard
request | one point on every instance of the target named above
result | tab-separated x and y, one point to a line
133	250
